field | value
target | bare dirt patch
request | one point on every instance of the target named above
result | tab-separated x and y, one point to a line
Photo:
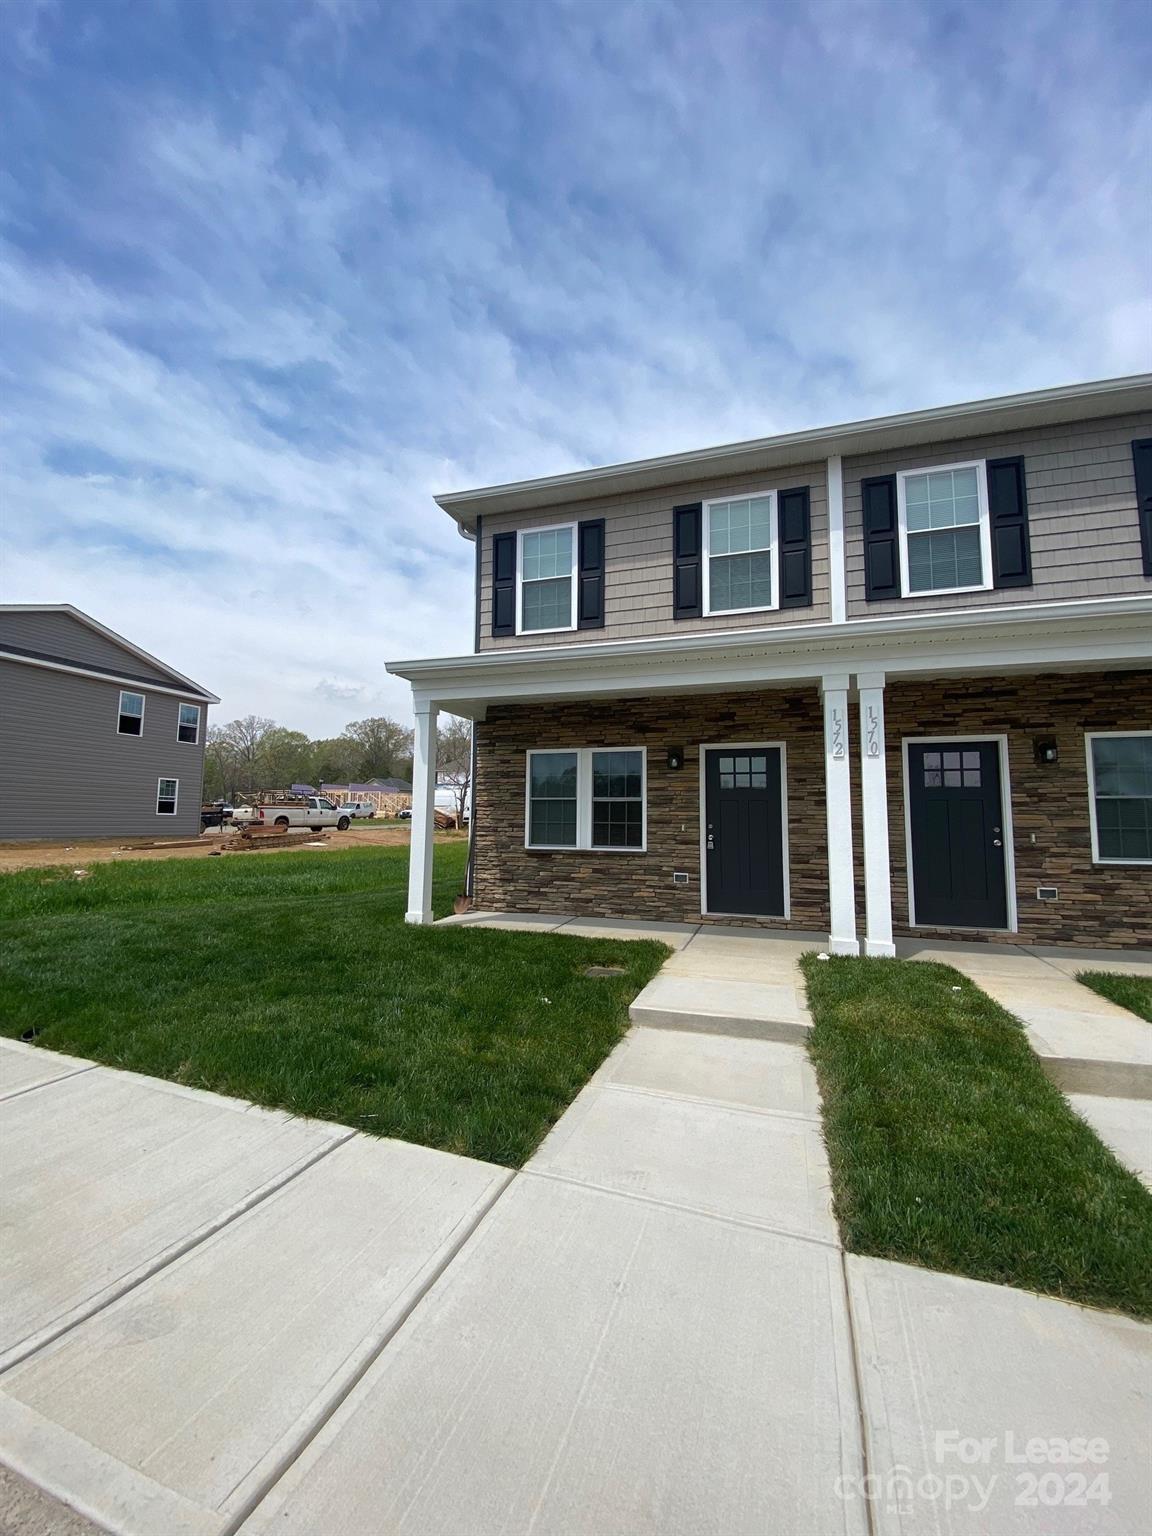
76	854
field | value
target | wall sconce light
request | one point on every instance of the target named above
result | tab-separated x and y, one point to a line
675	758
1045	751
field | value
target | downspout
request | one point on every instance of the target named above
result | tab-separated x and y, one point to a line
469	873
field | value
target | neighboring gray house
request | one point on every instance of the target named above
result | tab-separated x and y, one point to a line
97	737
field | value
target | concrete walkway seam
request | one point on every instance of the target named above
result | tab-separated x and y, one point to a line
48	1334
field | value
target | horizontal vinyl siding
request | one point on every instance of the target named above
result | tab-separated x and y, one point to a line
66	772
59	634
638	560
1081	514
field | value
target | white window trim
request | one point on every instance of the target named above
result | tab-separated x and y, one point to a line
187	704
583	843
1089	738
136	693
981	468
168	779
521	535
745	746
772	551
1005	811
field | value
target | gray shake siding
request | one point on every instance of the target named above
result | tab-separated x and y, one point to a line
65	771
1084	532
1081	513
638	560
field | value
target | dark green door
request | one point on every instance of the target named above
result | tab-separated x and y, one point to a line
957	823
744	835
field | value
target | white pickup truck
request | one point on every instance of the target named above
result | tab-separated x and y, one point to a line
312	811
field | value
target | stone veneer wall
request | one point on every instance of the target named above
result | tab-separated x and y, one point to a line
1103	905
608	884
1099	904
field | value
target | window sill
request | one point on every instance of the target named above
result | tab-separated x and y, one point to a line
723	613
561	629
569	848
985	586
1122	863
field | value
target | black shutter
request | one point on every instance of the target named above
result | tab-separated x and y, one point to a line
590	574
881	552
503	583
1142	464
1008	511
795	549
687	555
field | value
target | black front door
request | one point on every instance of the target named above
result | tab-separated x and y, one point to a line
743	834
957	818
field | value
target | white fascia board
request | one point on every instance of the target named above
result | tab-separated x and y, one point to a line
906	429
467	689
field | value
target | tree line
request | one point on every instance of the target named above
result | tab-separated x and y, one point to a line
255	753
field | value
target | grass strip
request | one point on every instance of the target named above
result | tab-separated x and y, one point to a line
950	1149
470	1040
1131	992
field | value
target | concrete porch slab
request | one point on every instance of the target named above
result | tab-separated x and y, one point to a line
191	1394
105	1176
526	922
675	935
27	1066
757	1074
773	961
977	960
758	1009
563	1377
1092	1053
1123	1125
1126	962
941	1355
767	1169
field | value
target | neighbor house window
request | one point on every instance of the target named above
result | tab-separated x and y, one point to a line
166	793
944	539
189	726
1120	787
547	568
740	551
131	714
590	798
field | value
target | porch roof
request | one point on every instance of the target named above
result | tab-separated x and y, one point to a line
1024	637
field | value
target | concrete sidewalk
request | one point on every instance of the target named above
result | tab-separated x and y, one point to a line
274	1326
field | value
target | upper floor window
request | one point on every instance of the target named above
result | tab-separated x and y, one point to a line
586	798
945	545
1120	797
547	567
188	728
167	793
740	554
131	722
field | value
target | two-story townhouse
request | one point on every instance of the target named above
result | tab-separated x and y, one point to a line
890	677
97	737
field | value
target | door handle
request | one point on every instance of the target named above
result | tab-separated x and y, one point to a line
996	843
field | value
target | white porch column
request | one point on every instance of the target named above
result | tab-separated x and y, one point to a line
838	807
874	797
423	811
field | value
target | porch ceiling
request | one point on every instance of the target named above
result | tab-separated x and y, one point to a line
1035	637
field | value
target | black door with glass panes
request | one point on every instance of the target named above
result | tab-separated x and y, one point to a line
957	826
743	831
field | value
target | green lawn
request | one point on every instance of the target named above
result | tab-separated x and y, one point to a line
1131	992
950	1148
291	979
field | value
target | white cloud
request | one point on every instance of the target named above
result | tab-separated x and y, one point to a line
245	348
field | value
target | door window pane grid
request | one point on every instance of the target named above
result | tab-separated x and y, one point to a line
1122	771
743	772
952	770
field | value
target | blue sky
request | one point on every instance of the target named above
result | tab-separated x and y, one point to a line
274	271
